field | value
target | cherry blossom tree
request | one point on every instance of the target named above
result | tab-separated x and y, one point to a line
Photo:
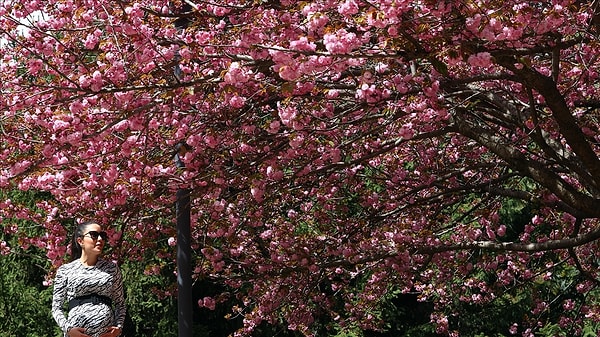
323	142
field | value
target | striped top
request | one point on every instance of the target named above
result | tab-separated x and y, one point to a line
74	280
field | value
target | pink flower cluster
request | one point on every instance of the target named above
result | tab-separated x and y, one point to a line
4	248
341	42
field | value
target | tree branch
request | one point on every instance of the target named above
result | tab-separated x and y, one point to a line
515	246
560	111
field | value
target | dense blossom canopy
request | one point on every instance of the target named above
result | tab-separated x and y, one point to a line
323	142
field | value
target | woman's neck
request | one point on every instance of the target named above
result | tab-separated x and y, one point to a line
87	260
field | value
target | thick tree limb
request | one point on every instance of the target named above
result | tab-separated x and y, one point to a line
515	246
560	111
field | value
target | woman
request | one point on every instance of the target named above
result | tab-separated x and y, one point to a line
91	287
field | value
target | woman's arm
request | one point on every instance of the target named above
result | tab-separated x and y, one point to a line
58	299
118	298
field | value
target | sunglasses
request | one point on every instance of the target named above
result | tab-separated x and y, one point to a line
95	234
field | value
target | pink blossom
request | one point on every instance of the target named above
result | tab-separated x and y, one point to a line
569	304
60	124
148	67
473	23
302	44
316	23
152	270
568	218
490	233
4	248
20	167
211	141
96	81
92	39
287	114
35	66
76	107
583	287
348	7
134	11
207	302
237	101
296	141
46	179
124	97
332	94
501	231
342	42
288	72
236	74
257	193
406	131
202	37
510	33
381	67
274	127
85	81
483	59
441	323
274	173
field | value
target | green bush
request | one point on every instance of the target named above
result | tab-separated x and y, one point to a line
24	300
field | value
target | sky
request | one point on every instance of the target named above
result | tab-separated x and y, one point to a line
21	29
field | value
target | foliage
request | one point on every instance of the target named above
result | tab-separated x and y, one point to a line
332	149
24	301
148	313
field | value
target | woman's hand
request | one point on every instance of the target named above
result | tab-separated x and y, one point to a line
113	331
77	332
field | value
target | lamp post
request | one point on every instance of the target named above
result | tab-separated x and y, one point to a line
184	262
182	213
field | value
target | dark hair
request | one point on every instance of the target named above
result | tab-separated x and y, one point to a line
77	233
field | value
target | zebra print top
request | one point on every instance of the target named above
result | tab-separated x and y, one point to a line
73	280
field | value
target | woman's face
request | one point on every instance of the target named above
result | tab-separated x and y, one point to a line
93	240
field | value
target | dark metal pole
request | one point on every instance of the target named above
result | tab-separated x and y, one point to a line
184	261
184	256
